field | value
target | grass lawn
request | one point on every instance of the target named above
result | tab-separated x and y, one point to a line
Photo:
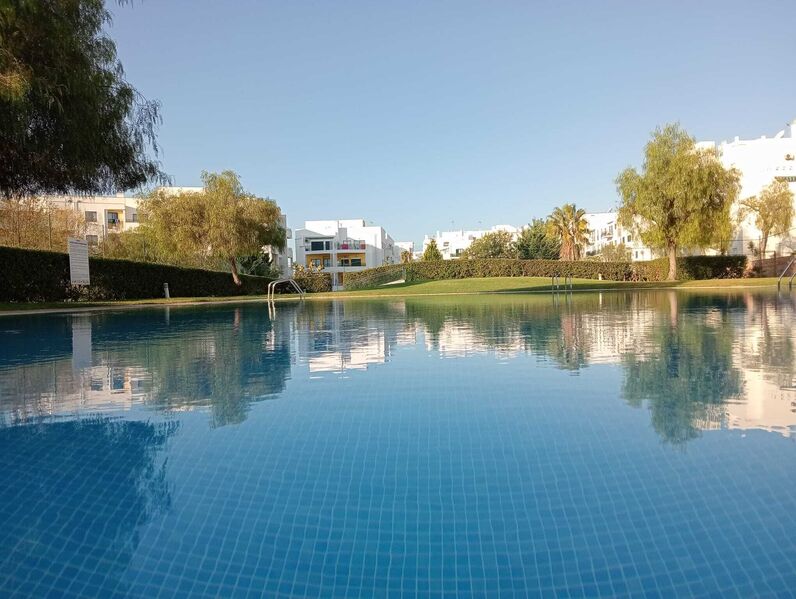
446	287
536	284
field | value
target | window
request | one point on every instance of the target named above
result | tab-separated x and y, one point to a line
92	239
133	217
629	238
356	262
91	216
113	217
316	246
315	262
327	262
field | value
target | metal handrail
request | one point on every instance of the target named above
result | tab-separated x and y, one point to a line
784	272
555	282
272	288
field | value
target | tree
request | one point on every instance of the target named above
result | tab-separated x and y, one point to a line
534	243
615	252
206	228
69	121
496	244
406	257
432	251
31	223
568	225
681	198
773	210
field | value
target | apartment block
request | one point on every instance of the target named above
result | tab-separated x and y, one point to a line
343	246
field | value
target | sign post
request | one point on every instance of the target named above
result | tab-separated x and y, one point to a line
78	262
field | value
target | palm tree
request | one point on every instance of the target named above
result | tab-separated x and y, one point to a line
568	225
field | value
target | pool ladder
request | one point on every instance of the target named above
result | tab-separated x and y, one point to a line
555	282
784	272
271	294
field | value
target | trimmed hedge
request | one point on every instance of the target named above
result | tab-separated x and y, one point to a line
312	281
40	276
688	268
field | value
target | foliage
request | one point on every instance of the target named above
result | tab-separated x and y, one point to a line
36	224
40	276
406	257
312	280
568	225
687	381
773	210
431	253
69	121
259	265
681	198
205	228
615	252
691	267
534	243
495	244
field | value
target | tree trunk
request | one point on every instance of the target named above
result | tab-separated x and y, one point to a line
672	249
763	244
234	264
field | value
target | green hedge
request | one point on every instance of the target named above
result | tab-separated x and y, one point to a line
313	281
39	276
692	267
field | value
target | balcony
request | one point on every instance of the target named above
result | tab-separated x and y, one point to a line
351	244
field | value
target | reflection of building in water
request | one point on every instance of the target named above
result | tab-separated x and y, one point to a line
340	336
766	354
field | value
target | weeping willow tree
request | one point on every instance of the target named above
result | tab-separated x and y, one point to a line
682	197
206	228
69	120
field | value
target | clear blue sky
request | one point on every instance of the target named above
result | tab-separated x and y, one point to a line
421	116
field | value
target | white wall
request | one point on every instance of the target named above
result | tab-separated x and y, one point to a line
453	243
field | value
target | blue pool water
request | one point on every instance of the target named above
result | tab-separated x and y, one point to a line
617	444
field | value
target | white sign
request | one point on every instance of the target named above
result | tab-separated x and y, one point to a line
78	261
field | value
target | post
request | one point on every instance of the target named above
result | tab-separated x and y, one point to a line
166	290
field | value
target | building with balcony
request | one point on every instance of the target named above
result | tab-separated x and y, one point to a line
342	246
453	243
103	214
116	213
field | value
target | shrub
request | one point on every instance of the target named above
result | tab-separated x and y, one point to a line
693	267
312	280
41	276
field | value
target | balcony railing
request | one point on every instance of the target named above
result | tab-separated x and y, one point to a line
351	244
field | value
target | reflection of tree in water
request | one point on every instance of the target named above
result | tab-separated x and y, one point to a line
74	495
222	358
226	363
546	326
690	373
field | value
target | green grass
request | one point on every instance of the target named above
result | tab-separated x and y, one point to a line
536	284
446	287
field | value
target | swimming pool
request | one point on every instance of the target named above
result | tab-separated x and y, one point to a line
618	444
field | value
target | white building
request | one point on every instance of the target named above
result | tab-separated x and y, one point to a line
103	214
405	246
453	243
109	214
341	246
604	230
760	161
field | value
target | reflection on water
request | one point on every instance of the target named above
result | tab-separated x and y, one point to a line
74	475
696	361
